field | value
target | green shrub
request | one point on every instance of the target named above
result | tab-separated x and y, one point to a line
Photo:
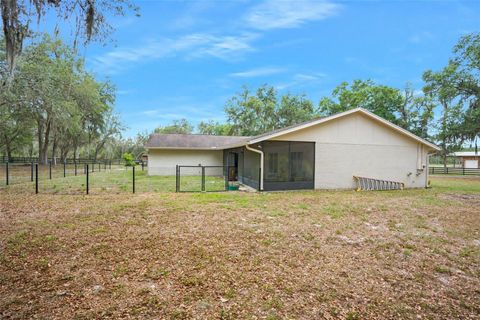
129	159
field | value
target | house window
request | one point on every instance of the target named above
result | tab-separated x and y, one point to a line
273	164
296	165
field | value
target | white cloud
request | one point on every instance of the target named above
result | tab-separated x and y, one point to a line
301	79
197	45
258	72
273	14
420	37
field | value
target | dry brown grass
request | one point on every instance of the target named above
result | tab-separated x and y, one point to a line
294	255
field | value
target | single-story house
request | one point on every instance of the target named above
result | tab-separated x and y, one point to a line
325	153
468	159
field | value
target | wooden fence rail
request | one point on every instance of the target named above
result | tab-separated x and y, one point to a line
454	171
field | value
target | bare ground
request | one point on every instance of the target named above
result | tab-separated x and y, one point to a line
294	255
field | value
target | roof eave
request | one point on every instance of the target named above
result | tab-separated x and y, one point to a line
342	114
184	148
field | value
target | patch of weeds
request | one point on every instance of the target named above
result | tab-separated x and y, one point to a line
224	315
99	230
18	240
277	213
144	291
273	316
43	264
243	202
192	281
119	290
352	315
308	237
229	293
420	222
303	206
443	269
120	270
334	211
407	253
334	312
100	251
383	207
151	302
179	314
49	238
67	225
465	305
133	222
469	251
267	242
408	246
156	273
394	225
274	303
428	306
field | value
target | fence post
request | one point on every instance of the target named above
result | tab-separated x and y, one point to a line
447	170
93	166
75	162
50	170
463	169
31	172
110	164
177	178
133	178
87	179
36	178
203	178
104	165
6	173
433	170
143	165
64	168
99	167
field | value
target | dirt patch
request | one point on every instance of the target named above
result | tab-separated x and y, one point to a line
461	197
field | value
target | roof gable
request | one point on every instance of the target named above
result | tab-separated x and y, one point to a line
277	133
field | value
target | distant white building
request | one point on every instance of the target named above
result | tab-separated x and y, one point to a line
468	159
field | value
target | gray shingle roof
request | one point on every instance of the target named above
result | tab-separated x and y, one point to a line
192	141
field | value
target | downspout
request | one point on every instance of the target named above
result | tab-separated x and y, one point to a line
261	163
427	170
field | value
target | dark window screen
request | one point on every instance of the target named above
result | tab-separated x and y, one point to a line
289	165
273	163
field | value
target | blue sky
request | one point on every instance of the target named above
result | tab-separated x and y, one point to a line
184	59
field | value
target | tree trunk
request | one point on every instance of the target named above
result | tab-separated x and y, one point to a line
54	149
444	133
8	147
75	152
41	155
43	142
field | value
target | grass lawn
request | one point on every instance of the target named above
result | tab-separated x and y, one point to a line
412	254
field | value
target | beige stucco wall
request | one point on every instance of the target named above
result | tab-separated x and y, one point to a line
358	145
163	162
